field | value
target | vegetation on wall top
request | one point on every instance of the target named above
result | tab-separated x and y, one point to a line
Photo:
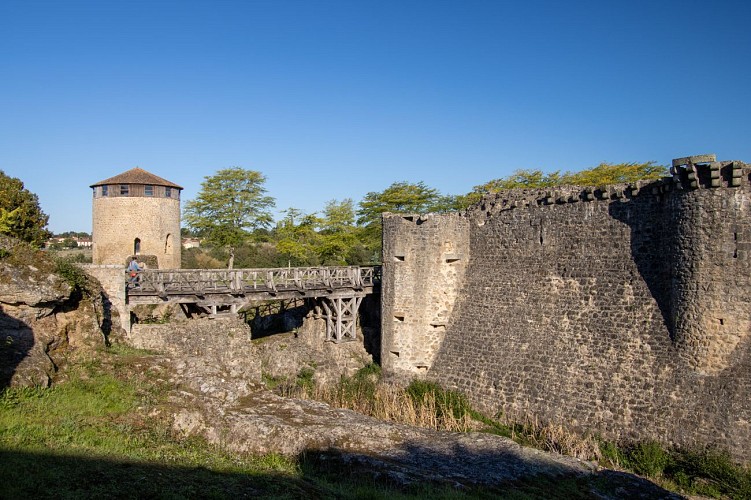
231	215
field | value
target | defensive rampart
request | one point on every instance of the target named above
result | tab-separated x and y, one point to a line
624	310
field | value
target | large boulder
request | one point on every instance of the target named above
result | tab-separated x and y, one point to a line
42	317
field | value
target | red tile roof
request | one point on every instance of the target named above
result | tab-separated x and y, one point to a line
137	176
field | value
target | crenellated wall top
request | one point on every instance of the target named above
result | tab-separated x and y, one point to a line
689	173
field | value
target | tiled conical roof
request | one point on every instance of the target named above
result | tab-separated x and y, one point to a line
137	176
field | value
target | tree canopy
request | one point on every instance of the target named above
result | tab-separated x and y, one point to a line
399	197
345	233
601	175
615	173
20	214
230	203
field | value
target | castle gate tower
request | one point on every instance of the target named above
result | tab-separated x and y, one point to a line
136	213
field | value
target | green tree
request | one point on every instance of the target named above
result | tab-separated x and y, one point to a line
615	173
338	216
601	175
297	238
339	242
522	179
230	203
20	214
400	197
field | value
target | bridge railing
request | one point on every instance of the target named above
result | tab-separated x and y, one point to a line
239	281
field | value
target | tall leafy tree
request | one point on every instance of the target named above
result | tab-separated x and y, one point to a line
523	178
400	197
339	241
230	203
615	173
338	216
20	214
297	238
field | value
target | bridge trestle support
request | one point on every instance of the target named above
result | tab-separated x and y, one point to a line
341	317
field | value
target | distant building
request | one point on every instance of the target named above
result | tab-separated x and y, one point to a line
83	242
191	243
136	213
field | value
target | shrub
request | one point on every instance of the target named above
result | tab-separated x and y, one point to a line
305	379
451	403
712	473
648	458
73	275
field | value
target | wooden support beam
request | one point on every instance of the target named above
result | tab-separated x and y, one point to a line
341	317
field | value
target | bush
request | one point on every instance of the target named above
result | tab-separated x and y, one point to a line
73	275
648	458
362	386
305	378
711	473
447	402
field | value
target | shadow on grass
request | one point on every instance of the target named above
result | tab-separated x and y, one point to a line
321	475
33	475
420	471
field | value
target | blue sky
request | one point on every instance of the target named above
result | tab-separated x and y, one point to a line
333	99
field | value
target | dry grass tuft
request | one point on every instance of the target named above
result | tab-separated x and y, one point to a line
425	404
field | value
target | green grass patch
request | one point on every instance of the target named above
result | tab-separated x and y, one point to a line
447	402
101	434
97	435
708	472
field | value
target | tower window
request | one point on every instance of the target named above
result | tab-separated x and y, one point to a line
124	190
168	192
105	190
137	246
148	190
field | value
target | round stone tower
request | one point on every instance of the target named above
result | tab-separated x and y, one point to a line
136	213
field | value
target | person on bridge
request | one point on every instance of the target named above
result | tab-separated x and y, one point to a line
133	270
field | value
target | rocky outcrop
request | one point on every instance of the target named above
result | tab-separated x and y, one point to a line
216	372
42	317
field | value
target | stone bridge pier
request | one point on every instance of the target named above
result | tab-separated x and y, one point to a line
112	278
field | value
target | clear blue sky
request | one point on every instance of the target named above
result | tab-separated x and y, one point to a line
333	99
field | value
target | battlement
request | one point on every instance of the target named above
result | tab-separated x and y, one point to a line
693	172
622	309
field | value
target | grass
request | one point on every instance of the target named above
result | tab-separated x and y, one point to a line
423	403
99	434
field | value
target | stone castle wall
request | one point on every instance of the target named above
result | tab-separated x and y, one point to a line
118	221
622	310
424	267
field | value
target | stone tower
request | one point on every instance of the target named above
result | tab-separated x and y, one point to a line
136	213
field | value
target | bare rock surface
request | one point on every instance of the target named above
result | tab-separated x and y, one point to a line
41	320
218	394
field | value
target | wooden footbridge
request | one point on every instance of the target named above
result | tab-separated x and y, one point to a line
338	290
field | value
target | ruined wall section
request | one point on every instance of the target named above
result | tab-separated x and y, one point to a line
424	261
623	310
112	279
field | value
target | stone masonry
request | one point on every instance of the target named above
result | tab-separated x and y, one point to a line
136	213
623	310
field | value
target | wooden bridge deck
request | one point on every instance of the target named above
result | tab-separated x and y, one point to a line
197	285
337	290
